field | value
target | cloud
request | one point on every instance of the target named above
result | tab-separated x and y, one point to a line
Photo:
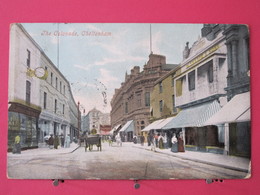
81	67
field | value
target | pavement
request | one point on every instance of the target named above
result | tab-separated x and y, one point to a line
224	161
220	160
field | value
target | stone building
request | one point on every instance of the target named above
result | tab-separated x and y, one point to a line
95	119
132	100
40	99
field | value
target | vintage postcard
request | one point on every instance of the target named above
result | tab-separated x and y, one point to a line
129	101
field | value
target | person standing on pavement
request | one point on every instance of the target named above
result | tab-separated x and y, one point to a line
51	142
174	144
142	140
17	145
165	144
181	144
160	138
62	140
153	144
56	142
67	141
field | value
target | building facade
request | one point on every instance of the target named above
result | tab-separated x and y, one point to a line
97	120
132	100
23	91
163	97
40	100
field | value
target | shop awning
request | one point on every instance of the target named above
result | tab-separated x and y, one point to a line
152	125
114	129
194	116
236	110
129	126
163	123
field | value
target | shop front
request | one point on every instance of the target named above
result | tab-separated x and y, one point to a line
23	122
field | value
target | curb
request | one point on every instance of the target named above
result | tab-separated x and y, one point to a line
202	161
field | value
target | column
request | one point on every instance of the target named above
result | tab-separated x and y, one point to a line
234	58
226	148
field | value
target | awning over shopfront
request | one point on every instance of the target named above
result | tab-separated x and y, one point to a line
236	110
152	125
129	126
114	129
194	116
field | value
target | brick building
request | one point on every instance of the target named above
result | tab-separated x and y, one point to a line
132	100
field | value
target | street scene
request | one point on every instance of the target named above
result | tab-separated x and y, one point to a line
129	101
128	161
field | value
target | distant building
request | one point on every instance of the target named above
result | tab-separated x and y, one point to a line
132	100
95	119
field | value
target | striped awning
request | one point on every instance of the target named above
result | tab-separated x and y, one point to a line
152	125
194	116
236	110
114	129
129	126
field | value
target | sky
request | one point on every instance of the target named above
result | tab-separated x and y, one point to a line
94	57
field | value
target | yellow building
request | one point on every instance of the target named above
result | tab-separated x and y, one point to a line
163	97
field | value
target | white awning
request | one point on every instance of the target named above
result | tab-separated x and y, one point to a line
129	126
163	123
114	129
194	116
152	125
236	110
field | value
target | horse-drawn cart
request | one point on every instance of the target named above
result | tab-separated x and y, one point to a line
92	140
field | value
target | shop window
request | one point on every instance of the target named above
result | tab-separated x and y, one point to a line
28	92
191	80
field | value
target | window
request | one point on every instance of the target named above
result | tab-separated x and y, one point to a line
64	89
173	104
191	80
126	107
147	99
51	77
28	61
56	85
142	122
161	105
44	100
160	87
210	73
60	86
55	106
247	53
63	109
172	80
179	87
28	92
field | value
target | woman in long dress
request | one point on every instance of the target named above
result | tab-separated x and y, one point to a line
174	144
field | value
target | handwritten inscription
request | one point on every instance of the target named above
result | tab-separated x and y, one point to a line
75	33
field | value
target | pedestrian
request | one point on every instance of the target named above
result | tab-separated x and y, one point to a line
118	140
67	141
110	140
56	142
153	144
174	144
160	138
142	140
165	143
149	137
51	142
181	144
156	140
62	140
17	145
